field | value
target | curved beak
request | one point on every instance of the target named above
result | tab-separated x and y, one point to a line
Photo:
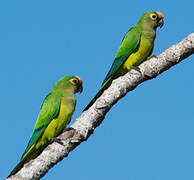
80	88
161	21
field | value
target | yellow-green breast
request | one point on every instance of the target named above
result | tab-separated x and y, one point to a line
60	122
143	51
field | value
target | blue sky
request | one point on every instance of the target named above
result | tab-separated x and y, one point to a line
147	135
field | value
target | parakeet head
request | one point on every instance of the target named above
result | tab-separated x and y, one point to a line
69	83
151	19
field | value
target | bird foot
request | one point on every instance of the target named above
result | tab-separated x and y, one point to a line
136	68
57	140
68	129
153	56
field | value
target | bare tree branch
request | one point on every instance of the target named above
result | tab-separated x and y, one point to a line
89	120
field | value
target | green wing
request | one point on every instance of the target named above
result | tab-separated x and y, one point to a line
129	44
49	110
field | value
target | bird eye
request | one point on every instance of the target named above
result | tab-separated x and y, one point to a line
73	81
153	16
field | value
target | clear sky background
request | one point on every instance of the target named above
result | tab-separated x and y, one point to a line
147	135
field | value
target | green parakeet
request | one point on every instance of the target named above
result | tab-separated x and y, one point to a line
136	46
55	114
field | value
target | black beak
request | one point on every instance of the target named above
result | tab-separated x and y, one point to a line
161	23
80	89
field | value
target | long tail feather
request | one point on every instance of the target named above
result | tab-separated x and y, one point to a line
32	154
99	93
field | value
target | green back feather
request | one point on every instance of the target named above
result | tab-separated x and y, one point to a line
66	87
49	110
128	45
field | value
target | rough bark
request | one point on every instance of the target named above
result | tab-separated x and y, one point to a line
90	119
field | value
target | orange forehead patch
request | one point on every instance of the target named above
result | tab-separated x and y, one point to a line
79	79
160	15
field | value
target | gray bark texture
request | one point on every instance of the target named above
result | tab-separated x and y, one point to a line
90	119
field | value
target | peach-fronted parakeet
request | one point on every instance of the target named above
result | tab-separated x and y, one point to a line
55	114
136	46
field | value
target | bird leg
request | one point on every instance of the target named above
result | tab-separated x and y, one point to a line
153	56
136	68
68	129
57	140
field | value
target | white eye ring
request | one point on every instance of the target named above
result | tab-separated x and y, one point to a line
153	16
